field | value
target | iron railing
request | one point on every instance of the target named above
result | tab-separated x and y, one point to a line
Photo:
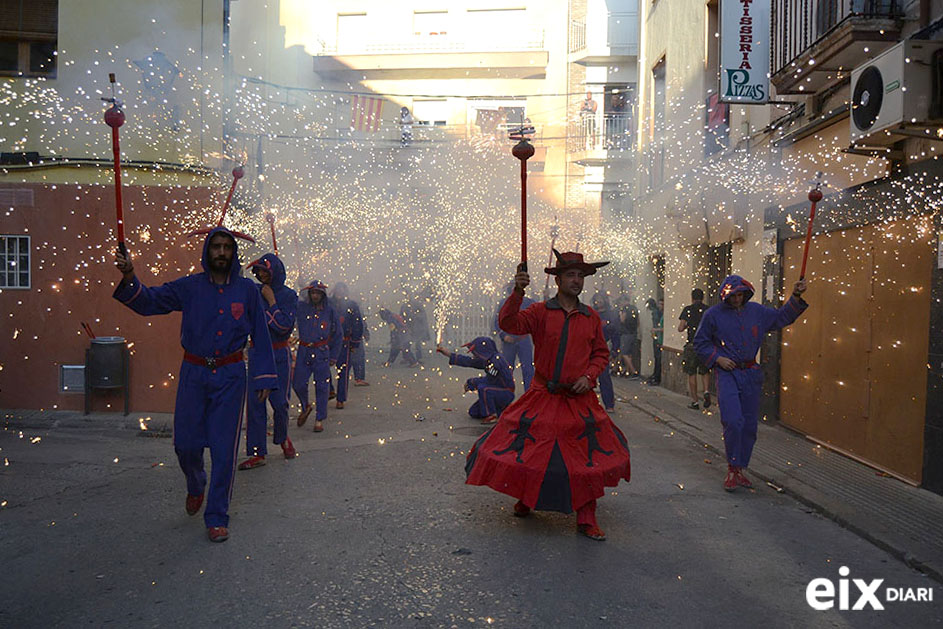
612	132
577	35
798	25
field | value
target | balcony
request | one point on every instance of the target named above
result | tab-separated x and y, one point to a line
437	57
604	41
593	144
816	42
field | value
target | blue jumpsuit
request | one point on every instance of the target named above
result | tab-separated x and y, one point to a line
319	328
520	348
737	335
610	331
281	321
351	324
496	388
217	319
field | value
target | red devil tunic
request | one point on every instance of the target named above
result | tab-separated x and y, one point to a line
551	449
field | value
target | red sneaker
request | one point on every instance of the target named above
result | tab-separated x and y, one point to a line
304	415
591	531
318	427
288	449
742	480
490	419
361	383
731	481
252	462
218	533
521	510
194	503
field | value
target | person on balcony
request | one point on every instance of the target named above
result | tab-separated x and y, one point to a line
588	119
406	122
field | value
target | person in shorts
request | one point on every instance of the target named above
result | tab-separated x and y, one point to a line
690	362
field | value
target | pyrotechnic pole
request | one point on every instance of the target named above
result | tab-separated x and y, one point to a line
523	151
815	195
237	174
114	118
554	232
270	218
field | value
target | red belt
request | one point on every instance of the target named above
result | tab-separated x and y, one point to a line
746	365
280	344
213	362
315	344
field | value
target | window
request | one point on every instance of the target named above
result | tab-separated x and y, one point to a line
716	126
14	256
28	36
351	32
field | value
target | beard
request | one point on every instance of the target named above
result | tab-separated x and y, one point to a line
221	264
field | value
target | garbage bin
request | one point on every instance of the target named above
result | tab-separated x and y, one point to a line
106	367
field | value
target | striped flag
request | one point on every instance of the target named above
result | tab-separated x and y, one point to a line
365	112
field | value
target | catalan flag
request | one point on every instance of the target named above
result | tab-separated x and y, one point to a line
365	112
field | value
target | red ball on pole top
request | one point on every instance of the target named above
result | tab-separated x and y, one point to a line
114	117
815	195
270	218
523	150
238	172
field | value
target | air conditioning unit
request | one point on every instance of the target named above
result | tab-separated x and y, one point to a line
898	88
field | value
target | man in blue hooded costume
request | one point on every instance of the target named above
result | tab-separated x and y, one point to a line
729	337
221	309
496	388
514	346
319	343
280	304
351	324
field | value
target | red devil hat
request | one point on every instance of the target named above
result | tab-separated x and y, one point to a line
572	260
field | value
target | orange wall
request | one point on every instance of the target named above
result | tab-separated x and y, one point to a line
73	277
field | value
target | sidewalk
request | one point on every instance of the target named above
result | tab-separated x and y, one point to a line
903	520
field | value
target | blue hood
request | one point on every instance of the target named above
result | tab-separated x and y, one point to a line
274	265
236	269
482	347
735	284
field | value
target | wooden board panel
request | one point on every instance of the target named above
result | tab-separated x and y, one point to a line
825	353
903	259
854	366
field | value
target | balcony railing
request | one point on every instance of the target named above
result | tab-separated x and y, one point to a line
798	25
613	134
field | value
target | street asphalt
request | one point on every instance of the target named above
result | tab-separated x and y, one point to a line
373	526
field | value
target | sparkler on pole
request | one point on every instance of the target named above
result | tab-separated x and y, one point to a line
270	218
237	174
523	151
114	118
815	195
554	232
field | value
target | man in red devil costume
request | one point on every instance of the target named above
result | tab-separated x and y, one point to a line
555	448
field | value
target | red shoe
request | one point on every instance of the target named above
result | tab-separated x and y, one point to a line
731	481
288	449
252	462
194	503
332	395
339	405
318	427
591	531
742	480
218	533
304	415
490	419
521	510
361	383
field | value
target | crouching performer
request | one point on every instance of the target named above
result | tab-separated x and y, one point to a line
555	448
280	303
220	310
495	389
319	342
